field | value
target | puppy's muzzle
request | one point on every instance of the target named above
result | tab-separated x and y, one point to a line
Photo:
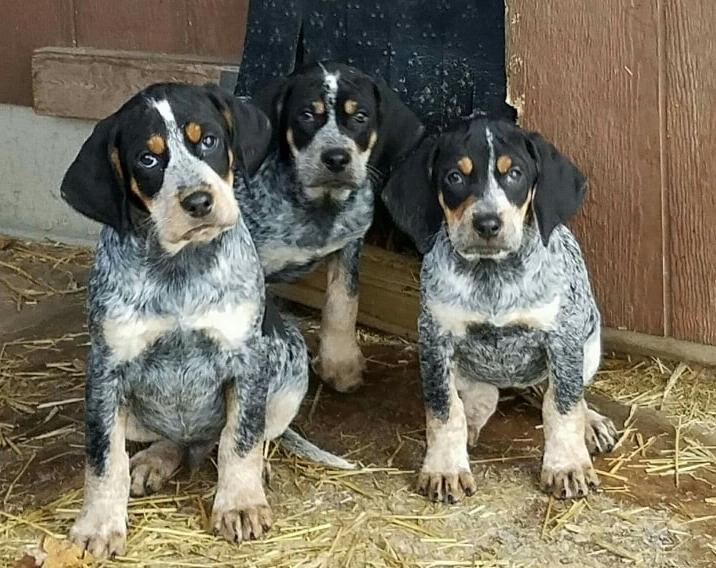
487	225
198	204
335	159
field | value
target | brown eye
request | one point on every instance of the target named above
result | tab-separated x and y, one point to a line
453	177
360	117
148	160
307	116
208	142
514	174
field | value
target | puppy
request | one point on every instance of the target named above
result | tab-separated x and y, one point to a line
336	134
184	351
505	299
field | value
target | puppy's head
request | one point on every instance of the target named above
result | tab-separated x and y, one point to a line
483	181
337	125
168	158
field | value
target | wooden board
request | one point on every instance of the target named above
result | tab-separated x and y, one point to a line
25	27
159	25
389	291
586	75
690	147
205	28
92	83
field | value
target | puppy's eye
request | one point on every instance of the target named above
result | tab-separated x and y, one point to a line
307	116
360	117
208	142
453	177
514	174
148	160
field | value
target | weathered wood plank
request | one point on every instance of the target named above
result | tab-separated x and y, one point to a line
586	75
27	26
690	146
389	291
93	83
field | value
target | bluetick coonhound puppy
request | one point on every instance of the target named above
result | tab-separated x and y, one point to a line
505	299
184	350
336	132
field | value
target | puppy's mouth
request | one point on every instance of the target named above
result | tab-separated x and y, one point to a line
205	231
481	251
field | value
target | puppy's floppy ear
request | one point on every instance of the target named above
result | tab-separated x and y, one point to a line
270	99
399	129
248	125
411	198
560	186
95	184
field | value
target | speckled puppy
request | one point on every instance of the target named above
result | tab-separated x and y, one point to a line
336	133
179	356
505	299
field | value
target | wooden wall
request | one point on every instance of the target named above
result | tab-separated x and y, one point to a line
211	28
628	90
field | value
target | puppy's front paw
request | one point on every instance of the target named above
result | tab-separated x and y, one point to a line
446	487
340	364
569	481
240	523
600	434
102	532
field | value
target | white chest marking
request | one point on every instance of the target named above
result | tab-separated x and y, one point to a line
456	319
128	336
228	326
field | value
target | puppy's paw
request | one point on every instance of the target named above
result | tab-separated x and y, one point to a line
569	481
473	435
237	524
340	364
446	487
101	532
151	468
600	434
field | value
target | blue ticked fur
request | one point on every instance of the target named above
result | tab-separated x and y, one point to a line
505	298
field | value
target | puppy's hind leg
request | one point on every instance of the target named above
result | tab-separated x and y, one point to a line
600	432
480	402
152	467
340	362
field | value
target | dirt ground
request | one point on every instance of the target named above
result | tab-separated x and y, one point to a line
657	505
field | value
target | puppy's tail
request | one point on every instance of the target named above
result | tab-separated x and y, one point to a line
296	444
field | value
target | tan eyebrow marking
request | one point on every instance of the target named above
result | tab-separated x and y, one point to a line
318	107
193	132
156	144
504	163
455	215
350	106
464	164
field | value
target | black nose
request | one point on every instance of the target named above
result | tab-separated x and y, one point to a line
335	159
487	226
198	204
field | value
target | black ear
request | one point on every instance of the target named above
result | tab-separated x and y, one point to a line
412	200
94	183
399	131
270	99
560	186
249	127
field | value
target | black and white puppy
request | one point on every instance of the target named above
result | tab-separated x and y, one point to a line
184	351
505	299
336	133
